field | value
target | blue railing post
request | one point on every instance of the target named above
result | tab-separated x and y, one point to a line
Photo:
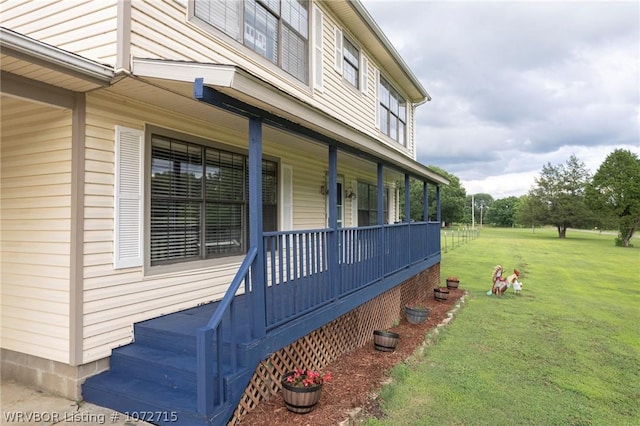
206	386
381	219
438	209
257	296
334	272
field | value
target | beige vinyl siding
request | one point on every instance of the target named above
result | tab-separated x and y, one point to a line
115	299
160	30
35	200
87	27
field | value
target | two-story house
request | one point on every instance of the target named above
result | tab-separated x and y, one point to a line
198	196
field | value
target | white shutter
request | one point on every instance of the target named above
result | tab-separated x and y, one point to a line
364	74
338	52
377	72
128	198
286	223
318	20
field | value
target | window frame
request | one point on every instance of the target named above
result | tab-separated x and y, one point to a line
390	111
268	8
348	65
372	188
203	259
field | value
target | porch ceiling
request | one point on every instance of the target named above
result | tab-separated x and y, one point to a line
179	77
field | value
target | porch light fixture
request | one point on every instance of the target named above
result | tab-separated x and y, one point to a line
351	194
324	190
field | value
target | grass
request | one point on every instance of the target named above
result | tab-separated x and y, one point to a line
564	352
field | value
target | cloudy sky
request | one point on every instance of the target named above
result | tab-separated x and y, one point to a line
517	85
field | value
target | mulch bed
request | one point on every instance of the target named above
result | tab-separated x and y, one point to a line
357	377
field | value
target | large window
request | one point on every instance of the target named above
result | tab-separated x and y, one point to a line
368	204
392	112
275	29
199	201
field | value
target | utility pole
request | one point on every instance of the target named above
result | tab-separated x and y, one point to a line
473	212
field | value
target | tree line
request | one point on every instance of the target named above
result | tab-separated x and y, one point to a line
564	196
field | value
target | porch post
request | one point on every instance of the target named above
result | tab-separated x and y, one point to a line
258	292
382	268
407	199
332	239
380	206
425	200
438	212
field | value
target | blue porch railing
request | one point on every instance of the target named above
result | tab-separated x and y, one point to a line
298	266
298	281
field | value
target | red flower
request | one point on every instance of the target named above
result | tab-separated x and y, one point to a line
307	378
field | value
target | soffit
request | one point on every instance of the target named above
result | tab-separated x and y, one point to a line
32	59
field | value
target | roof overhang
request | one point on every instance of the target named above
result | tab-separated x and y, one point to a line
29	58
179	77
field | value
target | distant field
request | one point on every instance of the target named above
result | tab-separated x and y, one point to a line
564	352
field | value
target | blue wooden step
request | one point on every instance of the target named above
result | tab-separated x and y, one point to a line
175	370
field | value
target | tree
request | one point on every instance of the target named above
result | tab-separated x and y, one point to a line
502	212
615	192
561	190
529	212
452	198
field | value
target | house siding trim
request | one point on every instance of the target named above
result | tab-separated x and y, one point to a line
76	323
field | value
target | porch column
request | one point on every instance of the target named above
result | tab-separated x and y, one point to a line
380	206
332	239
258	292
407	199
438	213
425	201
381	241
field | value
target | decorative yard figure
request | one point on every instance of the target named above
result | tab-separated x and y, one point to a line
501	284
512	280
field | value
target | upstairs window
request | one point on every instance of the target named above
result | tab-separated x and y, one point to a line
350	64
275	29
392	112
199	201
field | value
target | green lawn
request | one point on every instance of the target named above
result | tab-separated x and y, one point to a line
564	352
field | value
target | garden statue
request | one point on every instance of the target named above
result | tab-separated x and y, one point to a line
501	284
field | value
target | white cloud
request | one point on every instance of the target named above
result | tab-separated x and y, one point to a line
518	84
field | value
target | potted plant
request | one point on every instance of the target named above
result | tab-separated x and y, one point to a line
441	293
452	282
301	389
385	340
416	312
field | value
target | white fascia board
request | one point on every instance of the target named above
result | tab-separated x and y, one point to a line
213	74
31	49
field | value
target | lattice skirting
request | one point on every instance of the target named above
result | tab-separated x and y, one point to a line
344	334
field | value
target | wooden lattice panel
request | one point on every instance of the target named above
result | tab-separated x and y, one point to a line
344	334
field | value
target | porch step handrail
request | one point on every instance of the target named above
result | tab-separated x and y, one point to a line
210	387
